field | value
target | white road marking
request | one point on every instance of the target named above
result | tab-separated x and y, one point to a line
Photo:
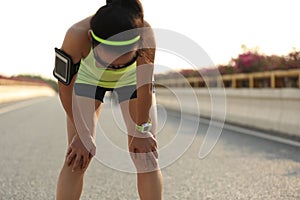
262	135
256	133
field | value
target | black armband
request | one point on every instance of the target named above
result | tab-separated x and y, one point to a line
64	69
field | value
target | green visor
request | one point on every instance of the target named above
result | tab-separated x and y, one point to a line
115	43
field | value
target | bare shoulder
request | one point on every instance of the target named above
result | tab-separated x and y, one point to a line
83	25
148	35
76	41
149	31
146	24
148	48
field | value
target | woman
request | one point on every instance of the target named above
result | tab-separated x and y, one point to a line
110	60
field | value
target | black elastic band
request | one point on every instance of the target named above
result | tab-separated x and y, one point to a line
108	66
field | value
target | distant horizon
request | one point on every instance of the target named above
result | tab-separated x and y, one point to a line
157	70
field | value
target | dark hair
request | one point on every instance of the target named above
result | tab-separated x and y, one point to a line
116	17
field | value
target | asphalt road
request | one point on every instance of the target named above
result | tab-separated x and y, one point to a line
33	144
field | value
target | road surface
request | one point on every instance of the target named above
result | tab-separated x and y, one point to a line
33	144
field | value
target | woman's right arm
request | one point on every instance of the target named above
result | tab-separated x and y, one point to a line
75	44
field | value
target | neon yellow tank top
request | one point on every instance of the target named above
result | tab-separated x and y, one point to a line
90	74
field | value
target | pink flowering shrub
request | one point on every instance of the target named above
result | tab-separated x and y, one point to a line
248	62
293	60
226	69
254	62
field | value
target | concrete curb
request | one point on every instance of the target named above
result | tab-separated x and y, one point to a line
271	110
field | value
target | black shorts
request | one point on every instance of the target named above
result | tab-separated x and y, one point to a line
97	92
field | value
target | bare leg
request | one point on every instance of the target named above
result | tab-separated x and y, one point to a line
150	183
70	183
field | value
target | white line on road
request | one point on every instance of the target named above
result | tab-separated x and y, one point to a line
256	133
259	134
21	104
262	135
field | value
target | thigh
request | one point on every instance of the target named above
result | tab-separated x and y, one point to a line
66	95
71	127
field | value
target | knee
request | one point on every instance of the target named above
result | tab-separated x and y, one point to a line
145	162
78	170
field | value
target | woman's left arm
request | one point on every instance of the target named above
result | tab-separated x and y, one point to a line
145	70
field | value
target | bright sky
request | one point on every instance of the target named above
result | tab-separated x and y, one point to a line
32	28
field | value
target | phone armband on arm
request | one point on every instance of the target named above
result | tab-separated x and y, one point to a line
64	69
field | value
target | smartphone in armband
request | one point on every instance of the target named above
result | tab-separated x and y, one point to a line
64	69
